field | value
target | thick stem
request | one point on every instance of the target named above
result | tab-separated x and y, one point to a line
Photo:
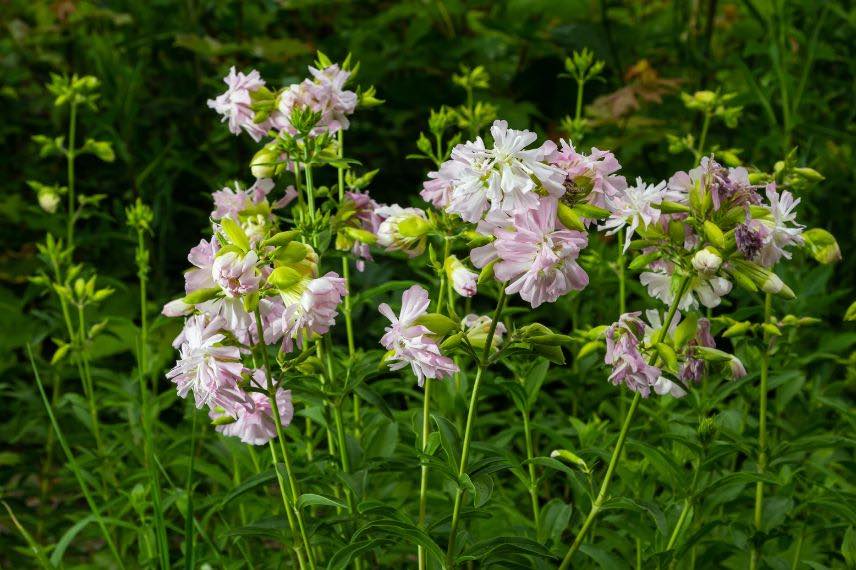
622	436
289	503
755	558
468	430
70	156
579	110
423	482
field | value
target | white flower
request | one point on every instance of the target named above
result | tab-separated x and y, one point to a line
783	229
634	207
505	177
704	290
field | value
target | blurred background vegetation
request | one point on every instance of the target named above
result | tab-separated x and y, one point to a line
790	63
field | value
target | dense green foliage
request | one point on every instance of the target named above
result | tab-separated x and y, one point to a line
790	66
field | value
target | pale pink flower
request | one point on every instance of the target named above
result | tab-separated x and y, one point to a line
254	421
783	230
412	344
234	104
463	280
236	318
503	177
206	367
634	207
236	274
230	203
324	94
623	354
592	176
314	312
438	188
202	259
176	308
537	260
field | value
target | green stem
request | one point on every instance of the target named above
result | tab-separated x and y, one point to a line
70	156
289	503
579	110
310	192
189	549
75	468
622	436
88	384
755	558
533	488
423	482
468	430
703	136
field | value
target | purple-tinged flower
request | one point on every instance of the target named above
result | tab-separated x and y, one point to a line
412	344
590	178
206	367
738	371
314	312
622	353
236	274
783	230
365	214
254	421
234	104
749	238
463	280
536	259
692	368
506	177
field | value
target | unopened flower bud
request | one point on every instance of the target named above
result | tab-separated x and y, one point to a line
706	262
463	280
264	163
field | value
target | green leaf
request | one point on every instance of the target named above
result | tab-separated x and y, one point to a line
251	483
236	234
822	245
341	559
449	440
555	517
310	500
646	507
372	294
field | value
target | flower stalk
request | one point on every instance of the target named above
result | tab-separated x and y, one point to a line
622	436
468	429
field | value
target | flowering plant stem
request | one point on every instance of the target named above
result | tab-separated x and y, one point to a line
762	435
346	275
622	436
289	501
72	462
423	482
533	485
468	430
70	155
